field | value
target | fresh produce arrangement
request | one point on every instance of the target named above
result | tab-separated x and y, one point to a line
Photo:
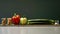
16	19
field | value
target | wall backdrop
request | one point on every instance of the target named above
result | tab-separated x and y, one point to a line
49	9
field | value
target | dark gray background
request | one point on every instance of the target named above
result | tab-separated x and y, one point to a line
49	9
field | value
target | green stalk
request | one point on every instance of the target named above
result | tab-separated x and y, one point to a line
14	14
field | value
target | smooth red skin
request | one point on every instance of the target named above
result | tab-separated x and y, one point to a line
16	19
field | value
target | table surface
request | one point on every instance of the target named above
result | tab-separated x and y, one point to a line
30	29
30	26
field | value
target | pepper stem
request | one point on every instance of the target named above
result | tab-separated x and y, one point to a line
14	14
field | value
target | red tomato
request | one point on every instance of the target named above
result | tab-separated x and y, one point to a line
16	19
